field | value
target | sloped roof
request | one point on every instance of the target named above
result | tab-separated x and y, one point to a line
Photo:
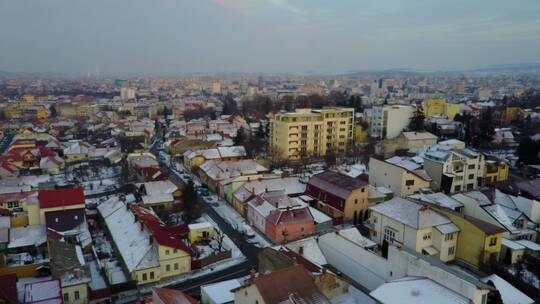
290	282
173	296
61	197
411	214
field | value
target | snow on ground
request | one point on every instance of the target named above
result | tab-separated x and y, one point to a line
221	265
232	217
227	242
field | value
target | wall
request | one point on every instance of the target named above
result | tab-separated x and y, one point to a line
138	275
435	170
82	289
181	258
248	295
356	202
387	175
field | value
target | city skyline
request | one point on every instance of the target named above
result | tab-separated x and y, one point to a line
264	36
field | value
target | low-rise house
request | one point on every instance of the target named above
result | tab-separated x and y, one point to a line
340	196
479	242
26	251
200	231
281	218
509	294
49	292
403	176
159	194
77	151
149	250
213	172
498	208
170	296
415	226
68	265
289	285
411	142
55	200
454	169
194	159
292	186
219	293
371	270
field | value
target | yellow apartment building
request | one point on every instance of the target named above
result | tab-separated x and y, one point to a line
440	107
311	132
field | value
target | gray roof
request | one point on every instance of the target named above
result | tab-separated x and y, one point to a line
410	213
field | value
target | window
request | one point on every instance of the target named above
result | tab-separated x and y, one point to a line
151	275
409	182
175	251
427	236
167	252
13	204
457	188
77	296
389	234
471	176
144	277
302	229
168	267
471	166
493	241
175	266
374	219
356	201
451	250
484	299
449	237
363	190
66	297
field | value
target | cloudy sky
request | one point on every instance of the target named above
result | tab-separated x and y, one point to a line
297	36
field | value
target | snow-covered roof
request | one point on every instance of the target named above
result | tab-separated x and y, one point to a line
31	235
221	292
318	216
509	294
132	241
291	186
448	228
404	163
200	226
499	213
353	235
529	245
512	244
439	199
310	250
419	135
410	213
415	290
157	199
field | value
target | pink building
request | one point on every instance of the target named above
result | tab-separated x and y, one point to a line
280	217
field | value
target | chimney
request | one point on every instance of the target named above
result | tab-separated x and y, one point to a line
301	250
252	275
266	189
142	226
135	218
150	239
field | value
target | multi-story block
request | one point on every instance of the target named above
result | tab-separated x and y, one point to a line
454	169
311	132
389	121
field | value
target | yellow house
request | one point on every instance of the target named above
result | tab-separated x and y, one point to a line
173	260
440	107
200	231
479	242
495	170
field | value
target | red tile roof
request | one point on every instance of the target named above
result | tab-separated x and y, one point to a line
14	196
333	188
172	296
61	197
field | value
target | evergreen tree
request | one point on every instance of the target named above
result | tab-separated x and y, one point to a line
239	138
486	128
190	204
417	121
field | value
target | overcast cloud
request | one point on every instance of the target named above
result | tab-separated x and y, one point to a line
297	36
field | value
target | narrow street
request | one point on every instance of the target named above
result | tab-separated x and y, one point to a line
249	250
